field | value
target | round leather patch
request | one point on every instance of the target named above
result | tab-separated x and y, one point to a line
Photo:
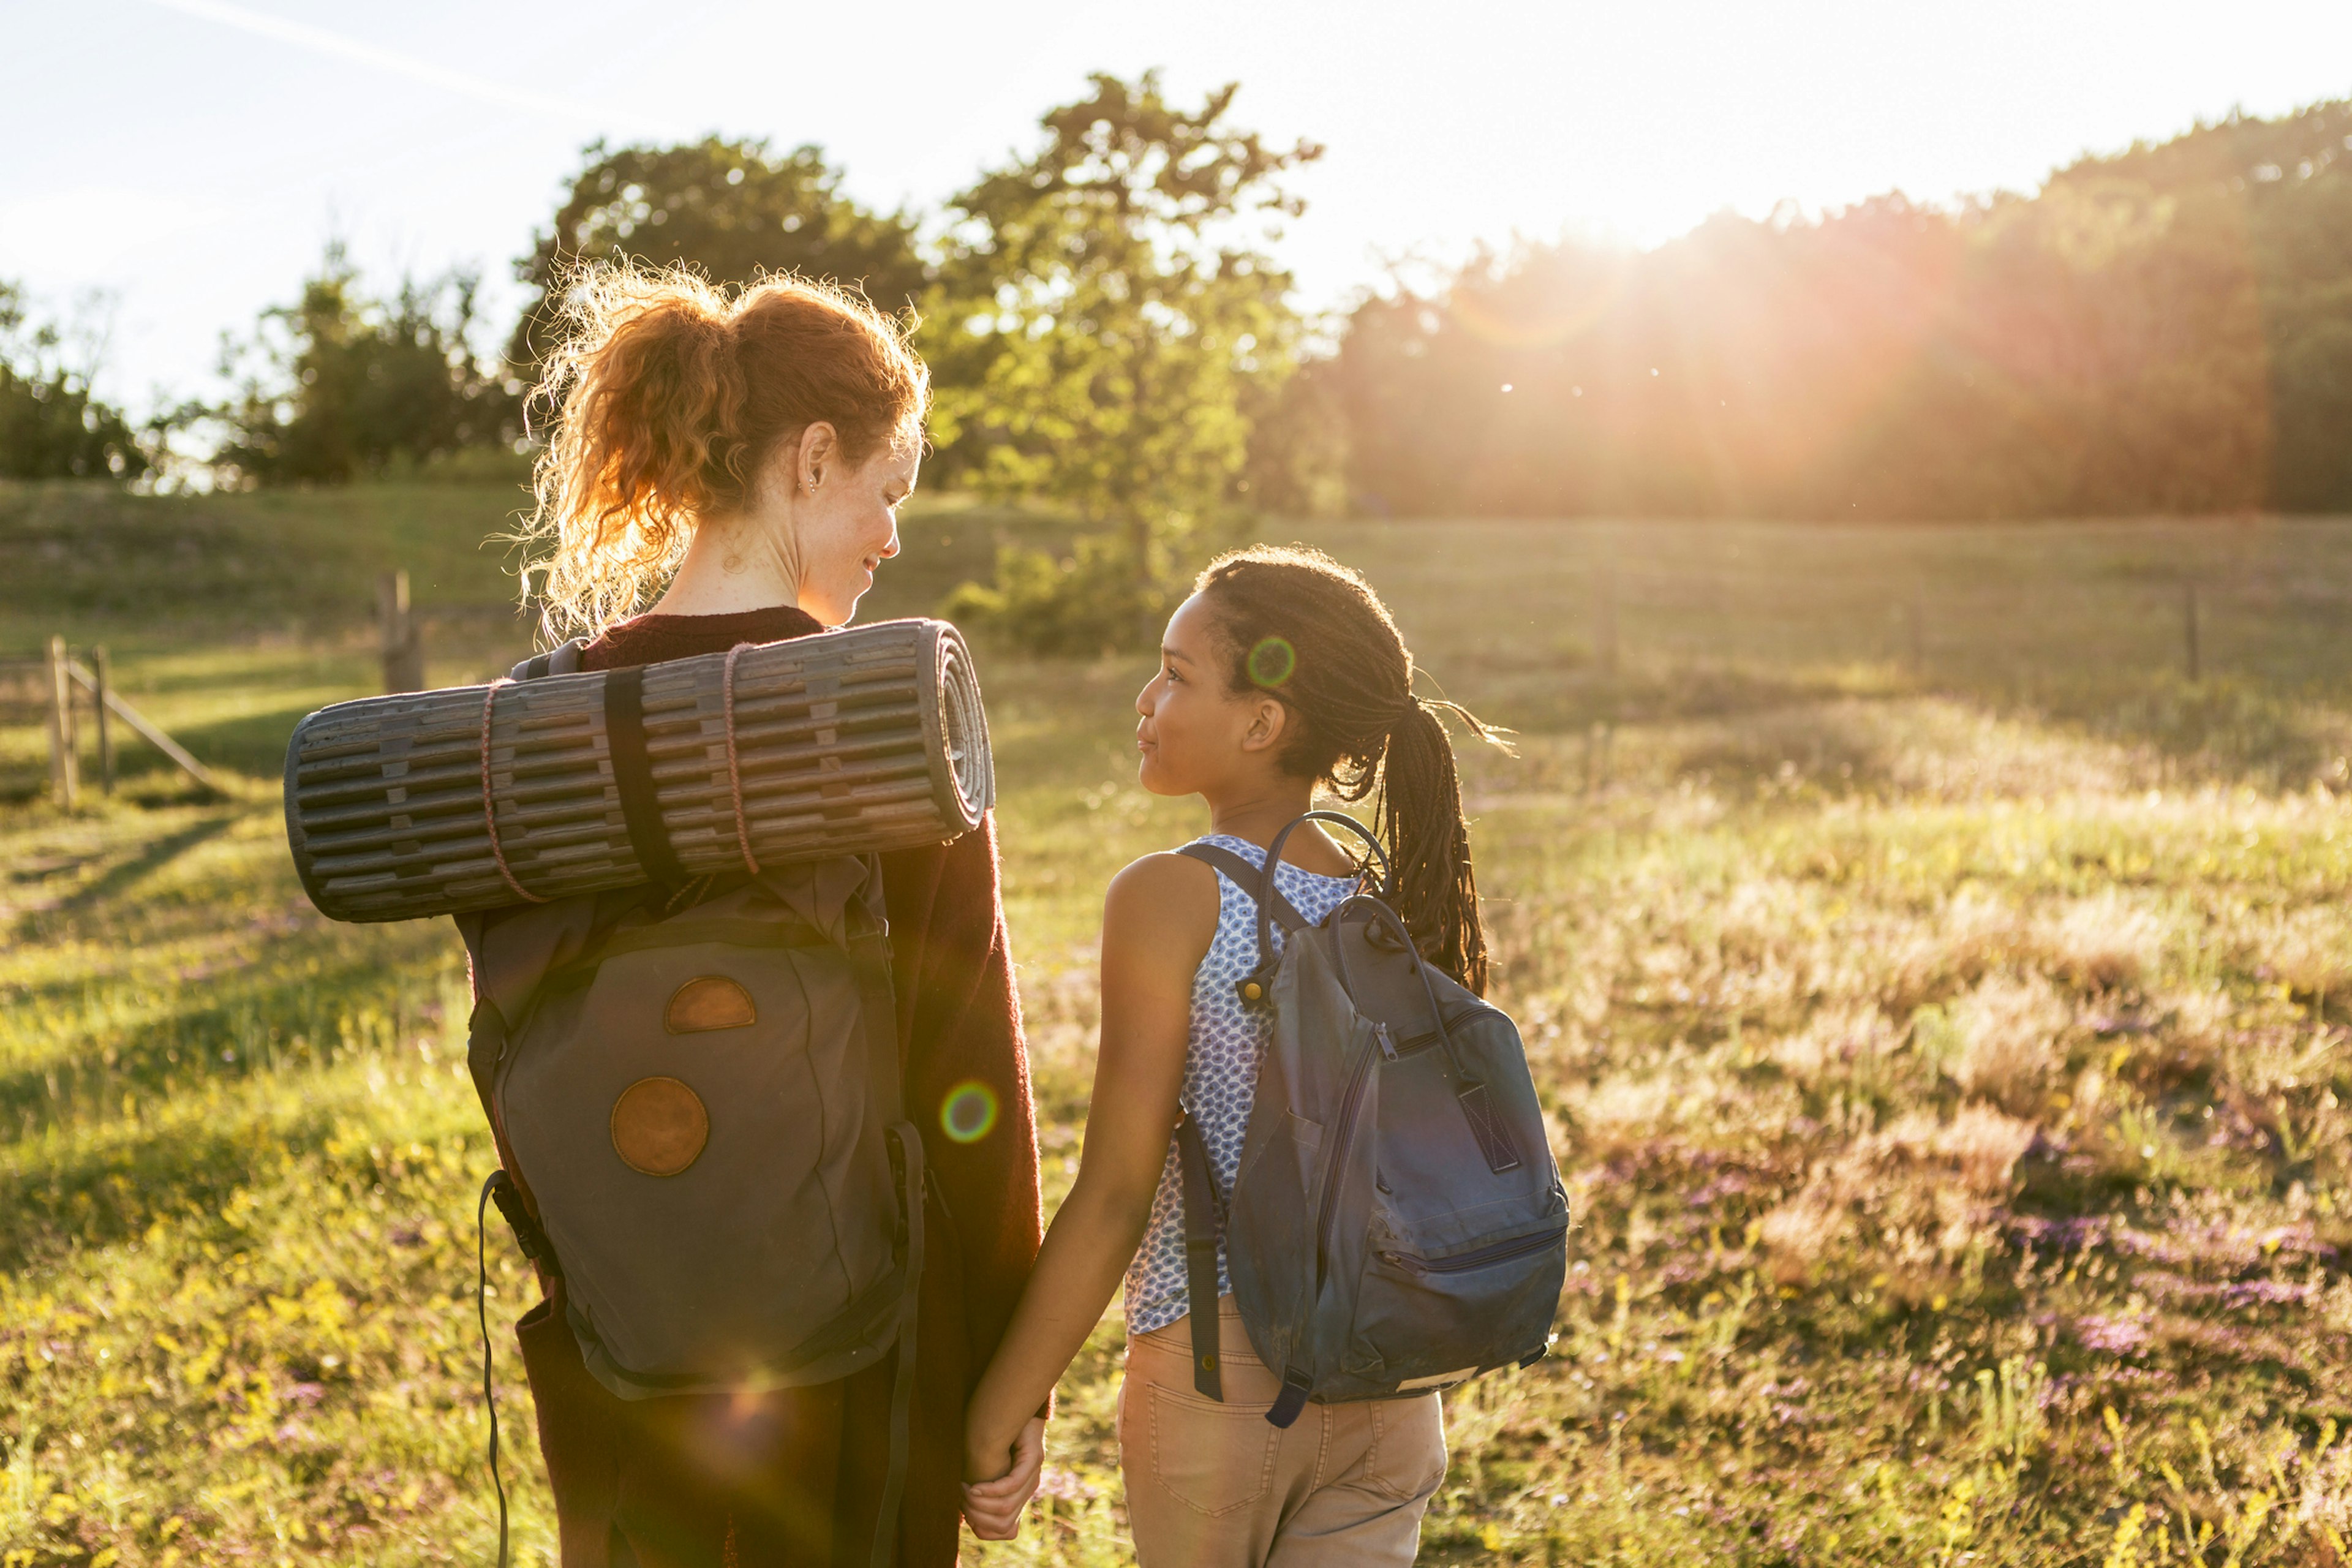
709	1002
659	1126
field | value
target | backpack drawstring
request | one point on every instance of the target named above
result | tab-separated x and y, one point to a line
734	765
482	1315
490	810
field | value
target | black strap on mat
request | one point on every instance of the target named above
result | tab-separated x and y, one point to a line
563	659
1204	1220
633	776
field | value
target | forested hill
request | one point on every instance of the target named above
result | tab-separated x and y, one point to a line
2168	329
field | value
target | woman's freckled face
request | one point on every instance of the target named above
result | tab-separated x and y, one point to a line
851	527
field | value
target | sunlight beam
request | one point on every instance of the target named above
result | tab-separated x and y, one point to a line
339	46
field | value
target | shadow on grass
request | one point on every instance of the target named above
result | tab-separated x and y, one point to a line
215	1028
89	1186
2224	729
152	856
251	744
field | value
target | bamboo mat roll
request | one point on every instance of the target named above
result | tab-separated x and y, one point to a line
434	801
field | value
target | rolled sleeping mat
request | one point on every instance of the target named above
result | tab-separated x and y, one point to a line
430	803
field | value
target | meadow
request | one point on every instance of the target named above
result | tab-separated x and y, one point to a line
1941	1000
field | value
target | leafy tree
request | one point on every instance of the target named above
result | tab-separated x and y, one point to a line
1107	322
51	426
733	209
340	386
1297	463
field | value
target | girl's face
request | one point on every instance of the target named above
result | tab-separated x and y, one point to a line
1194	733
838	523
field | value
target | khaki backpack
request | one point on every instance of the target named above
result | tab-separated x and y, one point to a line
695	1093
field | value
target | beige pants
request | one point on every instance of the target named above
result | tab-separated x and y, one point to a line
1213	1486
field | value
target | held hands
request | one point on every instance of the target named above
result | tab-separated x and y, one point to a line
993	1507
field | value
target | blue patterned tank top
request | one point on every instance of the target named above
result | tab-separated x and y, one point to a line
1221	1062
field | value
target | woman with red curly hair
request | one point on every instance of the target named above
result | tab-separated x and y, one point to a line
744	455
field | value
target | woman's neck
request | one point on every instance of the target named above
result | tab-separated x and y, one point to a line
728	569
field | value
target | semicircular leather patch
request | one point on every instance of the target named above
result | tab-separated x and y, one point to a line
659	1126
709	1002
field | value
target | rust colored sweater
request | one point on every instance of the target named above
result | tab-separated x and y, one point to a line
794	1477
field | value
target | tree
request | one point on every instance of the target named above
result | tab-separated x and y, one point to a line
338	386
2167	329
732	209
51	425
1107	321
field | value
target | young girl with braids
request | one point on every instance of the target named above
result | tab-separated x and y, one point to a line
1282	673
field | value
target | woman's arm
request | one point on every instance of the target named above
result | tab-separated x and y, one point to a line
1158	920
960	1018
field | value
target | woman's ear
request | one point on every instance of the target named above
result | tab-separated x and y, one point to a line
820	453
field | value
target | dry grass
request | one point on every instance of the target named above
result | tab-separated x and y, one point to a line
1950	1078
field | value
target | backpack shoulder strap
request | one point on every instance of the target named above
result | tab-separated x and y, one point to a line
1254	987
1203	1214
1203	1225
1250	879
560	660
870	956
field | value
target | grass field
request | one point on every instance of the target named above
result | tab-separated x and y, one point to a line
1942	1002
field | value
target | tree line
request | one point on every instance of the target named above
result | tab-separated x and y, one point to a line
2166	328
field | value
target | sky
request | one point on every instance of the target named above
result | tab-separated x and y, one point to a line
169	168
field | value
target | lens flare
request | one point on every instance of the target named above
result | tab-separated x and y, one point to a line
969	1112
1273	662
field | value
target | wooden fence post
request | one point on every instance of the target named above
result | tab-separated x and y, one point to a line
63	772
2189	631
1604	616
402	641
105	731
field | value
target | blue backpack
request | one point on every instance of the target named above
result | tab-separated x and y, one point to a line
1397	1223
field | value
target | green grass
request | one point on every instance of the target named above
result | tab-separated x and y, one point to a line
1947	1060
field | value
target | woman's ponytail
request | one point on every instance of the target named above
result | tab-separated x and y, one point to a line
670	392
1345	672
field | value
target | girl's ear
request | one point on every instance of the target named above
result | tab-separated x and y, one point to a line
1269	720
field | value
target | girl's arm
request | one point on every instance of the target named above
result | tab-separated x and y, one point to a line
1158	920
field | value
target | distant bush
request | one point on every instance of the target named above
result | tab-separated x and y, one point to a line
1091	601
51	425
340	386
